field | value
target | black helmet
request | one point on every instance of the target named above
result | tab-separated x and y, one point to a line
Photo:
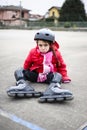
45	34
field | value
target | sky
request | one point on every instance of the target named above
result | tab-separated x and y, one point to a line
38	6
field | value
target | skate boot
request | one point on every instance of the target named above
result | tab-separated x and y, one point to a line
23	89
54	93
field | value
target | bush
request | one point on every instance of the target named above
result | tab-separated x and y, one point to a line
50	19
67	25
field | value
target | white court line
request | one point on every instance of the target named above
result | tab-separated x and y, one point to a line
19	120
83	127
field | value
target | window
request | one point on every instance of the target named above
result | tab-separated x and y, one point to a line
22	14
53	13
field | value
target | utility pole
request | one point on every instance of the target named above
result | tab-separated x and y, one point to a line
20	15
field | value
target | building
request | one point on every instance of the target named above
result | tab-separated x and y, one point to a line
13	15
54	11
53	14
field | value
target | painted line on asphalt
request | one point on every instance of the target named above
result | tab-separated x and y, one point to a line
83	127
19	120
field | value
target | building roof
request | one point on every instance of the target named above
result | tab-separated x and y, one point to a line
58	8
35	17
12	7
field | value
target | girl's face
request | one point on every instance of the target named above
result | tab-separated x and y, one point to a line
43	46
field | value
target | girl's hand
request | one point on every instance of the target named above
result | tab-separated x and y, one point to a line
66	80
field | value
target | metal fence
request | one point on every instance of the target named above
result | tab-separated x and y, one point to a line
42	24
57	24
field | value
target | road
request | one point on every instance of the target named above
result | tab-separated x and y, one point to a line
28	113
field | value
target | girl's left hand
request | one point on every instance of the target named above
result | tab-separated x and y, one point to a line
66	80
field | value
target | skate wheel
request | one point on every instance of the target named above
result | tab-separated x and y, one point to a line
60	99
37	94
69	98
50	99
20	94
42	100
11	94
29	95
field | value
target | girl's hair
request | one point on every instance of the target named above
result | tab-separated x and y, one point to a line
54	53
49	42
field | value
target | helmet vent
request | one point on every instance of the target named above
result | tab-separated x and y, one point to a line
47	34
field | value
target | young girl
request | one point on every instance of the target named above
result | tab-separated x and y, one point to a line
43	64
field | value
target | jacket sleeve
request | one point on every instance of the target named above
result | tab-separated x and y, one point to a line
28	61
62	69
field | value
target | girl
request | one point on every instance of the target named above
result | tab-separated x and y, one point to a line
43	64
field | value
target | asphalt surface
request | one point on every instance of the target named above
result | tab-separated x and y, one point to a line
28	113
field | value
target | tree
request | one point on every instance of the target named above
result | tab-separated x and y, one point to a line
72	10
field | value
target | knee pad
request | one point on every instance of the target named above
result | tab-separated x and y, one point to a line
57	78
19	74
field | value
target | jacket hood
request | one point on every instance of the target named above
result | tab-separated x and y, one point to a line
56	45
